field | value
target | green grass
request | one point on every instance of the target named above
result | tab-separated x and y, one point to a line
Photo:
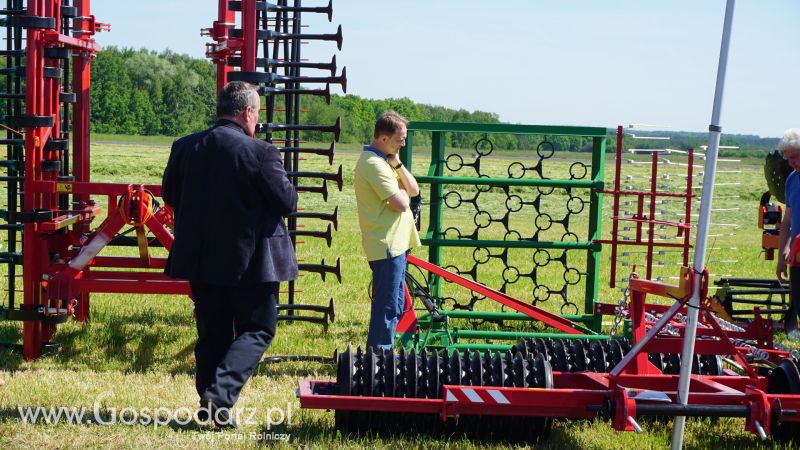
137	351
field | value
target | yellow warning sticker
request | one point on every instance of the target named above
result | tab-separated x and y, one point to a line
63	187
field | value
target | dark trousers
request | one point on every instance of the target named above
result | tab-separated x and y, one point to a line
790	322
235	325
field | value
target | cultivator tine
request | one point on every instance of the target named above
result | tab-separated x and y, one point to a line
318	320
266	63
266	90
236	5
318	189
336	128
272	78
315	151
271	35
332	217
327	234
337	177
329	311
322	269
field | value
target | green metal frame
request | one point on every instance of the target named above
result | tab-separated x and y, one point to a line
436	333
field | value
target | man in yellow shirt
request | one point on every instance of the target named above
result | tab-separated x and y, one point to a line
384	188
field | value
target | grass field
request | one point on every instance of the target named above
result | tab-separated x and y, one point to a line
137	351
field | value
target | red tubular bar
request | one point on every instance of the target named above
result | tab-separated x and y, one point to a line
539	314
651	226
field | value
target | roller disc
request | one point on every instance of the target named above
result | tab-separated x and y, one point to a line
466	369
498	371
412	374
455	375
578	357
560	361
476	369
369	373
434	376
597	357
389	373
344	386
785	379
423	379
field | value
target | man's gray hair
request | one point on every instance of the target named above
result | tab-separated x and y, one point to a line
235	97
790	140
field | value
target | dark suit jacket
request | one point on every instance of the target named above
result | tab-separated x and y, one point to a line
230	193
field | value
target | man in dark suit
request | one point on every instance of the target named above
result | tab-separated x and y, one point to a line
230	192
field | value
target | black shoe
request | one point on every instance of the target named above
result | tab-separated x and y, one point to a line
220	416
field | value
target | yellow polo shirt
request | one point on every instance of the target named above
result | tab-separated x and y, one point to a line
384	232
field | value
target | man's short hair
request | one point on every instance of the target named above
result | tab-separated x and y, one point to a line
388	123
235	97
790	140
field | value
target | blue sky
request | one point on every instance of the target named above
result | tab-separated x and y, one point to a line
580	62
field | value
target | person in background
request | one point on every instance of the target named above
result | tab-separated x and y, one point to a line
383	188
789	146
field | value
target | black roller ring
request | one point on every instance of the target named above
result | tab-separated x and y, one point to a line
673	364
369	373
560	357
455	374
412	374
401	387
521	371
498	370
344	373
488	378
422	379
435	376
358	377
578	353
390	373
520	347
597	357
656	360
476	369
615	351
466	369
543	346
380	380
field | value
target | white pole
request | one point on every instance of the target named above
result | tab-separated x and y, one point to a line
690	333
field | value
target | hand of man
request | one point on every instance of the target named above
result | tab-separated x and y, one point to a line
393	159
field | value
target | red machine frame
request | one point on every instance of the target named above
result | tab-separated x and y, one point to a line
59	247
623	394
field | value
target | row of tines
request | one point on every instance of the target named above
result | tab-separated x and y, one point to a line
284	78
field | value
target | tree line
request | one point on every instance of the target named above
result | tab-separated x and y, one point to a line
143	92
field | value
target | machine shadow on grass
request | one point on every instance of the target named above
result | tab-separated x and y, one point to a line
317	431
106	418
130	342
10	352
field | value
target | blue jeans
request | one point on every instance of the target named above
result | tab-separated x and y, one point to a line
388	300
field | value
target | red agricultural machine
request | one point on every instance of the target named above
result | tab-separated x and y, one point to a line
53	260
